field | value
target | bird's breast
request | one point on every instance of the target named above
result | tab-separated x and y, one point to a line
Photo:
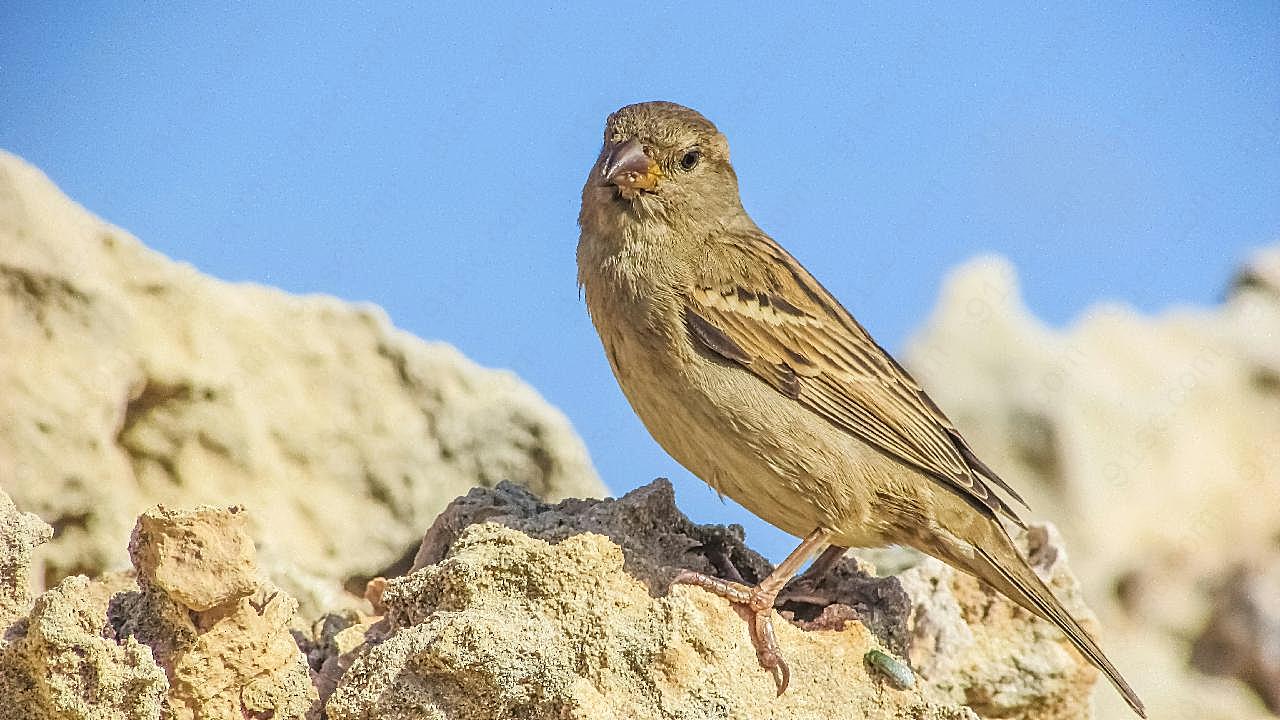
715	418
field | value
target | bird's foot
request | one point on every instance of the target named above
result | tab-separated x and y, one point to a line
755	605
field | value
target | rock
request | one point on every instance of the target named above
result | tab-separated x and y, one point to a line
339	641
20	534
1151	441
63	660
657	539
221	635
1242	636
197	635
165	543
562	611
141	381
58	657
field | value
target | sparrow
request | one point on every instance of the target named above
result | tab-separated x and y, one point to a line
749	373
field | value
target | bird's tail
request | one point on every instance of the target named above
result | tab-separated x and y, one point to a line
999	563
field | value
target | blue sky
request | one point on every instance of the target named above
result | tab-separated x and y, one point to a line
430	159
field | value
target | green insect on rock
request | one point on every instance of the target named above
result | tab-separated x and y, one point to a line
897	671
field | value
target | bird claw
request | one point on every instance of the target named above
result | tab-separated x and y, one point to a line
766	645
781	676
759	605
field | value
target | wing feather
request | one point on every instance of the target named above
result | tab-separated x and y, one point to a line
785	328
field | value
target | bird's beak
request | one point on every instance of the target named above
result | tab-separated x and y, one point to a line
629	168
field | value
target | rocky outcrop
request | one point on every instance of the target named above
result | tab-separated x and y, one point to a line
221	634
529	610
522	609
193	632
1152	441
20	534
57	660
127	379
1242	636
63	661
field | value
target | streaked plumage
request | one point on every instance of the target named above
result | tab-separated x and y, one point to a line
750	374
786	329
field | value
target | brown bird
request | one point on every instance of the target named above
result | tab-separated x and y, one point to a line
751	375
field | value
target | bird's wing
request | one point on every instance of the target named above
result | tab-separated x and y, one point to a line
783	326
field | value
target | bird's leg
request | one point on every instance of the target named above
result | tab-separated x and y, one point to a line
803	590
756	603
824	563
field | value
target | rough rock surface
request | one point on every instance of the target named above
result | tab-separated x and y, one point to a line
1153	441
543	611
221	634
197	635
127	379
20	534
63	660
58	659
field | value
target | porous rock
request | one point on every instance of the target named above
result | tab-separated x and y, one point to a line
221	634
193	632
63	661
58	658
20	534
127	379
200	559
521	609
1151	440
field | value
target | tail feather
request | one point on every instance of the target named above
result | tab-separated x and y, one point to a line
1012	576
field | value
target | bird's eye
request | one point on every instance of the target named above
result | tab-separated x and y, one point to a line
690	159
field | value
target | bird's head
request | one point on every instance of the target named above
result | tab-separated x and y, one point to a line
661	159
